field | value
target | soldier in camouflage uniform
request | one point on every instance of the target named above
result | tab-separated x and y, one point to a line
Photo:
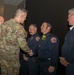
12	38
1	22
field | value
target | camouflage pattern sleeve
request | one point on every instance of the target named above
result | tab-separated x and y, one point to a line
21	35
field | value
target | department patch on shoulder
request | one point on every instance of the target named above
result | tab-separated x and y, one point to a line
37	38
53	40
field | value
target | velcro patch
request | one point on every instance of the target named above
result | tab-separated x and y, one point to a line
53	40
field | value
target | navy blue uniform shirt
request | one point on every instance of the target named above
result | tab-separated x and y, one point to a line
68	47
33	43
48	48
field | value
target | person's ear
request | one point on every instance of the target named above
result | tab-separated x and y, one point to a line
48	28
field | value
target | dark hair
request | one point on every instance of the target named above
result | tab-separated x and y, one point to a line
34	25
48	25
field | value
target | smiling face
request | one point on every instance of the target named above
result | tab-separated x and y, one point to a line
45	28
32	30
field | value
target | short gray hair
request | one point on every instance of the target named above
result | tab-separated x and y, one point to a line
20	11
71	11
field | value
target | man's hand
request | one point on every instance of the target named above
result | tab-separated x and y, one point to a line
31	53
51	69
25	58
63	61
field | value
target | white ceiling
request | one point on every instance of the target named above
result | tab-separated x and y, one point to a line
12	2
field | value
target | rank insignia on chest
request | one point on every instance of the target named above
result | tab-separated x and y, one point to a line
43	37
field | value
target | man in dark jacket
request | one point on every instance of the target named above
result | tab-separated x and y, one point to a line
29	65
67	58
48	51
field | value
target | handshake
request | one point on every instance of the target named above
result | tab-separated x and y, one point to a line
30	54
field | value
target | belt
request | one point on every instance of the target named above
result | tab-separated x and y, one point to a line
44	59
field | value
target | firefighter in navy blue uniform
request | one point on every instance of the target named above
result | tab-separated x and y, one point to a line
67	58
33	43
48	51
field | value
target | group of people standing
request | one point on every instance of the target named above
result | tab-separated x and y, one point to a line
45	49
36	55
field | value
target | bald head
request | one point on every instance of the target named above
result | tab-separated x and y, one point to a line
1	20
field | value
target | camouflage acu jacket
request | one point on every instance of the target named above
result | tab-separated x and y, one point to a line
12	38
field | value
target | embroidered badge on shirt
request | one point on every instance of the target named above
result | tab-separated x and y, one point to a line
53	40
37	38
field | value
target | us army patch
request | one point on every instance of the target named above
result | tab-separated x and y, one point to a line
37	38
53	40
